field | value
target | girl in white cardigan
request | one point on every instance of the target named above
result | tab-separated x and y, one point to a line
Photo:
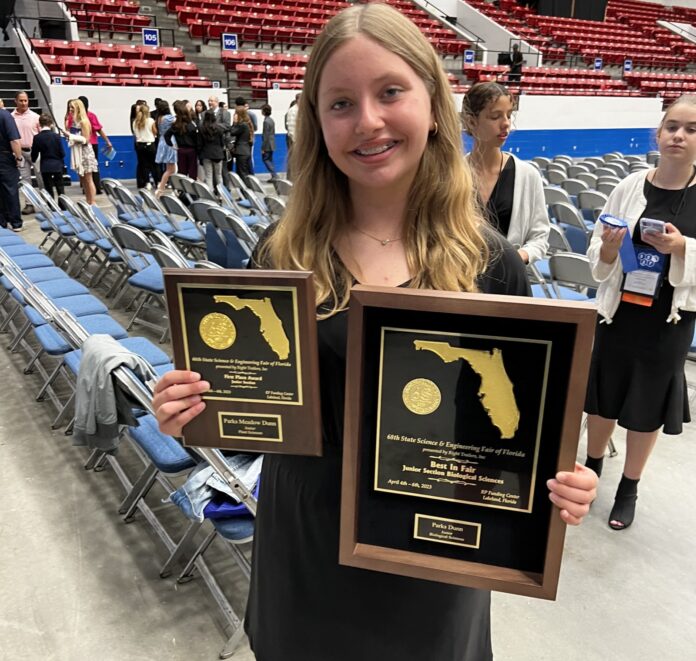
637	371
510	190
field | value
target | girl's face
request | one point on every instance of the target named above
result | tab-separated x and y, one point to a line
375	114
492	126
676	138
199	107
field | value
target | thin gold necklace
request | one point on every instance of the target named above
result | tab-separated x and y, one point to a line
384	242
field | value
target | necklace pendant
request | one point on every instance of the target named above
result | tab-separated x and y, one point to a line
384	242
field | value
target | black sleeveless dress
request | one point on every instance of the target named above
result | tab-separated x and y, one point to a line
303	605
499	207
637	370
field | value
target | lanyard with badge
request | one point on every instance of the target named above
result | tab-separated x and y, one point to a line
645	267
642	286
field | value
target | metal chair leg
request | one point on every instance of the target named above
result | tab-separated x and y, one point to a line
233	642
141	486
29	368
49	382
187	573
92	459
56	423
21	334
8	319
183	545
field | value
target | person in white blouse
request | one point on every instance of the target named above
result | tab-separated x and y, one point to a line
510	190
145	134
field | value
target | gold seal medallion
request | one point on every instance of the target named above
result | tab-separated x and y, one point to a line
421	396
217	331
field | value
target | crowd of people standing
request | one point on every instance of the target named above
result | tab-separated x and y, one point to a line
204	142
28	139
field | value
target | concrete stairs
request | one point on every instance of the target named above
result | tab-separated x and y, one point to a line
13	80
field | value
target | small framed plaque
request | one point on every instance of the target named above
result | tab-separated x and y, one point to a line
253	336
459	408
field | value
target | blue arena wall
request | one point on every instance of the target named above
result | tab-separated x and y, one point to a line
123	166
524	144
577	142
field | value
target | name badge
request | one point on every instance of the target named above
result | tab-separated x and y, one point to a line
642	285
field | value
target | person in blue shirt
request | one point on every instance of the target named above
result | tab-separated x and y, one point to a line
10	160
49	146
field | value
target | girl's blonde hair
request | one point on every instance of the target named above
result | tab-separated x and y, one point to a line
80	118
444	232
142	114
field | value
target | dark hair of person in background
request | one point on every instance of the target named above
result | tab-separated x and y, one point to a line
85	101
266	110
478	97
200	107
209	125
183	116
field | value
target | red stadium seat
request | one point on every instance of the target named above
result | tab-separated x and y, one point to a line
96	65
184	68
143	67
172	54
108	50
42	47
63	49
121	67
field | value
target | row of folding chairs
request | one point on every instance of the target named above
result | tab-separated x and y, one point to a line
247	199
144	237
592	173
90	244
62	315
246	214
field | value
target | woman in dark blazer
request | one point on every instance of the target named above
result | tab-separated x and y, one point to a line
211	148
242	130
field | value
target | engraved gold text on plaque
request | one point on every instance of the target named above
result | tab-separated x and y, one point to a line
270	325
496	392
217	331
421	396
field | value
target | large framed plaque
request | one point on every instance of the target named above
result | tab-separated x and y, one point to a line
253	336
459	408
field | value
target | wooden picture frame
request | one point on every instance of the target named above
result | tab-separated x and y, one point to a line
447	523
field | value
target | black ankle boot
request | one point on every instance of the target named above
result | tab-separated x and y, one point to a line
624	510
595	464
